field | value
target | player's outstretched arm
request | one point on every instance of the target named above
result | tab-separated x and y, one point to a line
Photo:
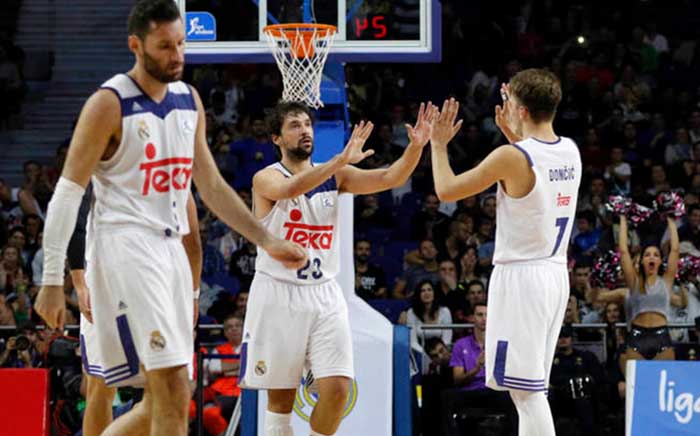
99	121
358	181
274	186
505	163
228	206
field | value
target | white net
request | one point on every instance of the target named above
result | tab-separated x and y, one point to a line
301	53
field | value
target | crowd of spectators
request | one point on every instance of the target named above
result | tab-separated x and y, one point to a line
631	101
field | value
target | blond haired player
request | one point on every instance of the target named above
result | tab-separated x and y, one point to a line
537	176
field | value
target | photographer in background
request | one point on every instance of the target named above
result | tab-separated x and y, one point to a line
22	351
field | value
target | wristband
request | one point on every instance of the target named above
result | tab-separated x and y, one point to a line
196	294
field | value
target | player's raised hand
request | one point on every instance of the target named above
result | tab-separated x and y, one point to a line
419	135
292	255
353	150
444	126
50	304
504	114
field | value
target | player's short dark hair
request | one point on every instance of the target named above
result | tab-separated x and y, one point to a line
145	12
539	91
276	115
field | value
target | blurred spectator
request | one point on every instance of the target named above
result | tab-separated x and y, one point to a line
426	310
370	281
425	221
222	116
438	378
680	149
426	270
212	260
455	243
7	315
242	303
575	379
448	290
13	275
18	239
468	371
486	239
16	202
582	275
385	150
368	214
658	180
223	373
33	226
398	125
690	231
250	155
242	264
469	266
586	241
11	89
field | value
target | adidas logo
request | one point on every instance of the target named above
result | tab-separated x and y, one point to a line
122	305
136	107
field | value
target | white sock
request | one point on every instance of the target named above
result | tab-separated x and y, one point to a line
277	424
314	433
534	415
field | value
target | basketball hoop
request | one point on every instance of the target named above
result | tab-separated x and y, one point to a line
301	50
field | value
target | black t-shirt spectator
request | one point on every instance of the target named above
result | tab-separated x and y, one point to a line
242	265
369	282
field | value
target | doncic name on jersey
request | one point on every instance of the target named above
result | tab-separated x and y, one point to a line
562	174
307	235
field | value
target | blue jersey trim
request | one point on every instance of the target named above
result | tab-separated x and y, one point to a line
547	142
327	186
527	155
144	103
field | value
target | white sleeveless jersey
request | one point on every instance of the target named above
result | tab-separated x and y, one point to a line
310	220
538	226
147	181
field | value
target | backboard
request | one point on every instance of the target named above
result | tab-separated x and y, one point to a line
231	31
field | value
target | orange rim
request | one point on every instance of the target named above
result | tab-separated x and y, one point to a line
301	35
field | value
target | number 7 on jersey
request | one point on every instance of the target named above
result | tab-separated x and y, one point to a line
561	224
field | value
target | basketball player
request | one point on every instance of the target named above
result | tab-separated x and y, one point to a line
298	319
537	176
141	137
99	397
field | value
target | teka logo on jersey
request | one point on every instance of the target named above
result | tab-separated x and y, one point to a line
307	235
563	200
163	174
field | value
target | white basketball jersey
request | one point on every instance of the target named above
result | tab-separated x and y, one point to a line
538	226
310	220
147	181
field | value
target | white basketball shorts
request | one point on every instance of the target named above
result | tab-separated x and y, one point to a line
142	305
526	307
290	327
